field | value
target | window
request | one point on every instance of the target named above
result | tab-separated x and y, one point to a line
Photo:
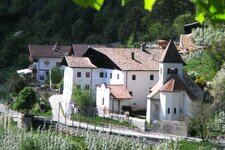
105	74
42	77
78	86
87	87
110	75
118	76
133	77
168	71
78	74
134	105
151	77
87	74
172	71
101	74
180	110
168	111
131	93
174	110
103	101
176	71
58	64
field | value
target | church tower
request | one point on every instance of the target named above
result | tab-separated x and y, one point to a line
170	63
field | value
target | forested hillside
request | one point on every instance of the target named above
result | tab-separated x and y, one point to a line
62	21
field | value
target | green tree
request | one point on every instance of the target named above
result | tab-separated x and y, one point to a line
211	9
79	27
216	52
131	25
206	36
158	31
132	43
202	65
25	100
180	21
4	93
81	97
56	75
201	115
16	83
218	89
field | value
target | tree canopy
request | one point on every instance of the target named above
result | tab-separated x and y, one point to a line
210	9
26	22
25	100
81	97
56	75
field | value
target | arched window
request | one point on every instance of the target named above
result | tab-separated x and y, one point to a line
168	71
168	111
172	71
176	71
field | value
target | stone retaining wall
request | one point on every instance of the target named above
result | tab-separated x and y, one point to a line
170	127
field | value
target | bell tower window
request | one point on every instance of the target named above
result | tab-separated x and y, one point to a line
176	71
168	71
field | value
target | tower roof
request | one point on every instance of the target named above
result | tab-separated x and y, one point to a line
171	54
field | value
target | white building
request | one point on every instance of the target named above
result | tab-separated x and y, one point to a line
125	76
44	57
174	94
110	99
77	72
134	69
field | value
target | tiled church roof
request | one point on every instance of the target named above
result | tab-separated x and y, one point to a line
171	54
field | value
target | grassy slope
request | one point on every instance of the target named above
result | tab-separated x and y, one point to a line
187	145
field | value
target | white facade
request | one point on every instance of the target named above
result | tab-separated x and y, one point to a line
166	69
138	83
108	76
169	105
106	104
80	77
140	87
172	105
43	65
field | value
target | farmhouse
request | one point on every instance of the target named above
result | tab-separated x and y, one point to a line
43	57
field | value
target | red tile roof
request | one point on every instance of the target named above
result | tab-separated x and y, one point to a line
174	83
77	62
119	92
122	57
171	54
80	49
46	51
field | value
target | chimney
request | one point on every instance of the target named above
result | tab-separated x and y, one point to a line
56	47
143	46
132	55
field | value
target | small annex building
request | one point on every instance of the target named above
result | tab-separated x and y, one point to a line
111	99
173	96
